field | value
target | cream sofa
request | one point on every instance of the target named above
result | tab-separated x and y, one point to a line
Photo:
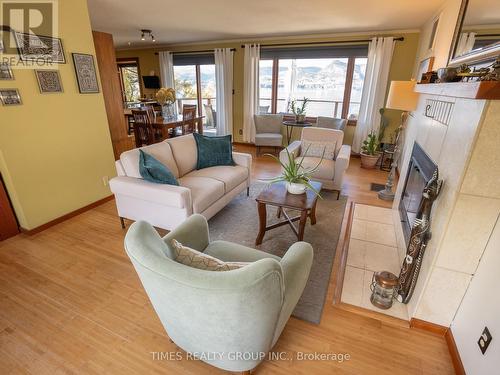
330	172
205	191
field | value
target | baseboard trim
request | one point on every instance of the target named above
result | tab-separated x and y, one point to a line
448	336
455	355
65	217
428	326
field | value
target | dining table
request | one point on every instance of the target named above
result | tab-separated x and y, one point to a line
167	123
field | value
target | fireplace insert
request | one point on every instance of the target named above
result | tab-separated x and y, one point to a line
419	173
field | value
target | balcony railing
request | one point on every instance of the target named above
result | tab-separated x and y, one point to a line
323	107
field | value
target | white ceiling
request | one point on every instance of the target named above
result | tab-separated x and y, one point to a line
183	21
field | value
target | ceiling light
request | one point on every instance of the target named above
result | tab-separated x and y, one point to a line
147	32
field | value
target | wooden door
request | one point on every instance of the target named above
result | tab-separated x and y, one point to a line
8	221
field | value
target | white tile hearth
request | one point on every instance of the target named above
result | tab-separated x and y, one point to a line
372	247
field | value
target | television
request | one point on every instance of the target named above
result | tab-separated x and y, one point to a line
151	82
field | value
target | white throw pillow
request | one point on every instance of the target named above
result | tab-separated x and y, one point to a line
316	149
193	258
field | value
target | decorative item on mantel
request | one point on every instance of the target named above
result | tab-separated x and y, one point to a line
166	98
402	97
297	178
419	237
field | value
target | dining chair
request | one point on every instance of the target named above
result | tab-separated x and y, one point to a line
188	119
211	118
143	127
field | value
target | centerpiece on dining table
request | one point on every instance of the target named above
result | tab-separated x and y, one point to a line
166	98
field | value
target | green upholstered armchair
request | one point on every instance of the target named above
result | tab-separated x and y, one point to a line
230	312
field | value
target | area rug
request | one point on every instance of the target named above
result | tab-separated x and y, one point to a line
238	222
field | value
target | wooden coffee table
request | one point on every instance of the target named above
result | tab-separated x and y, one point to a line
277	195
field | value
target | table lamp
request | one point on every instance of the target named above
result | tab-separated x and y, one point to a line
402	97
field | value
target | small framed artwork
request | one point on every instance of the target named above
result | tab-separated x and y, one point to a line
432	36
49	81
6	72
424	67
86	75
39	47
10	97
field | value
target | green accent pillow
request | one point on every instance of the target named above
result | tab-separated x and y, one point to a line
153	171
213	151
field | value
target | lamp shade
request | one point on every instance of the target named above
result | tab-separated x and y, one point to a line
401	96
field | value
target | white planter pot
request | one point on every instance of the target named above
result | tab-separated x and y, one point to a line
295	188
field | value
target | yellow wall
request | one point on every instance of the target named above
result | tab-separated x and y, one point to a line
55	148
401	69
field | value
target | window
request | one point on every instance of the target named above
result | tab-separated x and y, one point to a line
330	77
194	80
128	71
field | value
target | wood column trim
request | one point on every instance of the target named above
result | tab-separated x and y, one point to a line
8	221
199	99
112	93
274	86
348	87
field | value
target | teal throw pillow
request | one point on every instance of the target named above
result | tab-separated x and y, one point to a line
153	171
213	151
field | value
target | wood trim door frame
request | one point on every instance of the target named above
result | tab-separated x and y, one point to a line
134	60
9	225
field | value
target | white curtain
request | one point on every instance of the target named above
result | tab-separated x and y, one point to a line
251	90
224	90
167	71
374	89
465	43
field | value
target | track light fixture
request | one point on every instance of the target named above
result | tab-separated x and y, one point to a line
149	33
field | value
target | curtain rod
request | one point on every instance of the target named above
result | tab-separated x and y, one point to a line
319	43
189	52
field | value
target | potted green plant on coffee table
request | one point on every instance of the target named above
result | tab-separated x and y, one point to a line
296	177
369	151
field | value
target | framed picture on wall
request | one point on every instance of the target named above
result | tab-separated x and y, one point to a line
6	72
424	67
49	81
86	75
33	47
432	36
10	97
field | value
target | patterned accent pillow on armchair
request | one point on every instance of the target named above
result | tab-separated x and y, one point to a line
193	258
316	149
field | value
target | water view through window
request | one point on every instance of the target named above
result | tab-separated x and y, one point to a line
321	80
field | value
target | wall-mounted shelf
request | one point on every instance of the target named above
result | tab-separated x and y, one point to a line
472	90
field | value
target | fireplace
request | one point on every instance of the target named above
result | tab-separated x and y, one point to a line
419	173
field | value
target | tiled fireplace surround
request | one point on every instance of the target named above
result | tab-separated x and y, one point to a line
467	152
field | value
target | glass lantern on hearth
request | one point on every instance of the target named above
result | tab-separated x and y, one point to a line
383	289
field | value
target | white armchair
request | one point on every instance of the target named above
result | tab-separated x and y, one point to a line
330	172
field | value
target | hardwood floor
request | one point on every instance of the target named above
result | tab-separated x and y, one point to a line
71	302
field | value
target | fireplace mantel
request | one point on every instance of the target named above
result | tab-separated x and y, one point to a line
471	90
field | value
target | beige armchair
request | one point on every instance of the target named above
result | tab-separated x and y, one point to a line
268	131
331	123
330	172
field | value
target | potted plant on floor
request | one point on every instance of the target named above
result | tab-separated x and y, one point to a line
369	151
296	177
299	112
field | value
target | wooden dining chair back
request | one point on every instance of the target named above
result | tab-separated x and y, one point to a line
143	128
188	119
